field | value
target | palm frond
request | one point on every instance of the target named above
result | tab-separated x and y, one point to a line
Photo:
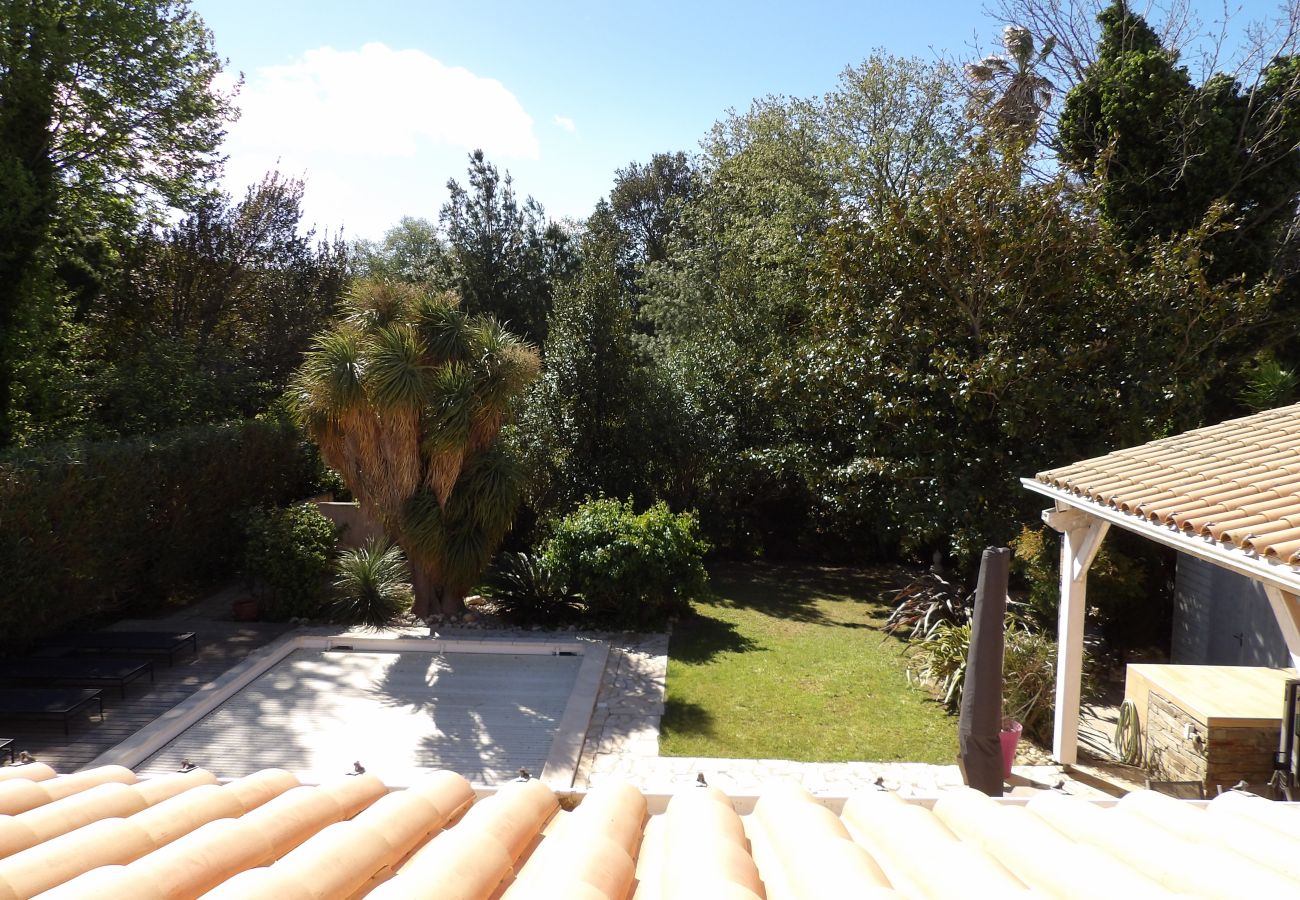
377	303
444	328
488	491
395	375
330	379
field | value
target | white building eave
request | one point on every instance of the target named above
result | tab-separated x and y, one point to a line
1274	574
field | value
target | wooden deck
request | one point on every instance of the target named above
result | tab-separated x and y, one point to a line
221	646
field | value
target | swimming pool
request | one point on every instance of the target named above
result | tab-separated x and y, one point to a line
399	706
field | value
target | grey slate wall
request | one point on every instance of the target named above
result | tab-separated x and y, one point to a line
1223	619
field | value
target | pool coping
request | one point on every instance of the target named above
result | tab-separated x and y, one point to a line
559	771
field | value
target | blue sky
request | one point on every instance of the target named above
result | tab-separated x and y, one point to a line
376	103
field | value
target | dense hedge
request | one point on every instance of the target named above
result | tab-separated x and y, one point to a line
91	529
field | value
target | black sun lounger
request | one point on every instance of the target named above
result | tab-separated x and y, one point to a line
160	642
49	703
76	670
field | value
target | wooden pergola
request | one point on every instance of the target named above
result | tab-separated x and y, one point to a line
1228	494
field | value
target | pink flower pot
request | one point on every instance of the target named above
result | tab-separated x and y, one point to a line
1010	738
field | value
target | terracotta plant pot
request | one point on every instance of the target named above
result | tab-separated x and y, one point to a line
244	609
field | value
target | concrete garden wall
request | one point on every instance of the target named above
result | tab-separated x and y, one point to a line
357	527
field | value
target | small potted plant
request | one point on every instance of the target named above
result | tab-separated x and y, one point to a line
1010	737
244	609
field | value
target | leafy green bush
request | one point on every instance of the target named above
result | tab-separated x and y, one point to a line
88	530
938	661
288	554
525	590
372	585
628	568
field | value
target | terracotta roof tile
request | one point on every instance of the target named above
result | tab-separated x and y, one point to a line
266	836
1237	482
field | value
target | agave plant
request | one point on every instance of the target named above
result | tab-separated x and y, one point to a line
406	396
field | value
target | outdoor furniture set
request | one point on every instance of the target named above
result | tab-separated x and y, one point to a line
67	673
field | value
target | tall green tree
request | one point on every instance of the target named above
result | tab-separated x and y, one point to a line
29	47
224	302
892	127
996	328
602	419
406	396
410	251
108	113
645	208
504	255
1163	150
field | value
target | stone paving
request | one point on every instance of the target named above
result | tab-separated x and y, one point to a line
624	724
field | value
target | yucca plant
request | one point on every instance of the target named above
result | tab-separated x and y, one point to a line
406	395
927	603
371	585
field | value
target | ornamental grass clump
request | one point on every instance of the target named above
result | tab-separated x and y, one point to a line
937	660
372	586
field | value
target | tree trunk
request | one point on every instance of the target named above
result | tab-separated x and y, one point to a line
432	597
424	589
452	604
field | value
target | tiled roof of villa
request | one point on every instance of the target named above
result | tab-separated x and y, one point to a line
103	833
1236	483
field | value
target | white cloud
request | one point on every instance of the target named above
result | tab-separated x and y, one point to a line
378	102
566	123
375	132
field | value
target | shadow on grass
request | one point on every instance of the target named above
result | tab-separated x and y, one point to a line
699	638
684	718
793	591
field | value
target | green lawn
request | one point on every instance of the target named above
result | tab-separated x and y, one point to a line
789	663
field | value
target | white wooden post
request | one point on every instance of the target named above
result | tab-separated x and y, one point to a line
1081	536
1286	607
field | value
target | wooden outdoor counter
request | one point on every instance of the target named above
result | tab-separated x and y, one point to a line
1227	696
1214	724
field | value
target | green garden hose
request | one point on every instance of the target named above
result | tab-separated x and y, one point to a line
1128	734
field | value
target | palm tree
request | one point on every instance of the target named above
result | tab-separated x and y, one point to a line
1011	88
406	395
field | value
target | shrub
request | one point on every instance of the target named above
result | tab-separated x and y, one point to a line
372	585
938	660
525	590
288	554
90	529
627	568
